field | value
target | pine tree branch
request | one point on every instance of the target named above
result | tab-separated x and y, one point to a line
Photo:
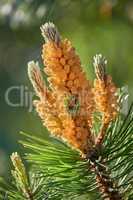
100	167
103	161
107	187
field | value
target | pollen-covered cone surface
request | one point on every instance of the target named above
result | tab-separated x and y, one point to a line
67	106
105	91
46	104
106	99
66	76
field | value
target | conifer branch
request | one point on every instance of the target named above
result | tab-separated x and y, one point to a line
100	166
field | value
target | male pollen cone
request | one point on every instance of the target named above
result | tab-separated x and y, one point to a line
67	108
105	91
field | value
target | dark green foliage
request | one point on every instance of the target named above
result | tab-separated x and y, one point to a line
12	191
57	172
66	171
118	151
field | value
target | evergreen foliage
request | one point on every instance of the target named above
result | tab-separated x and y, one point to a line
81	163
58	172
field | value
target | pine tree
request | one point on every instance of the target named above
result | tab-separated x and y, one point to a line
90	153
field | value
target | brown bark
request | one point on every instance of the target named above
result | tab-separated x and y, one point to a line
107	186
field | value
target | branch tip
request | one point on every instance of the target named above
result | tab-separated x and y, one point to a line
50	32
36	78
100	63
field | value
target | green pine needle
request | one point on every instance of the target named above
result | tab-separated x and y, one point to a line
68	172
118	151
58	172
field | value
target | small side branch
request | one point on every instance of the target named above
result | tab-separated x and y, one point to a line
100	137
106	185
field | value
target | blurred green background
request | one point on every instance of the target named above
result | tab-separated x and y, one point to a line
94	26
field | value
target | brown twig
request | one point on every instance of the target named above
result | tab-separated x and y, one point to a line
107	187
101	135
29	194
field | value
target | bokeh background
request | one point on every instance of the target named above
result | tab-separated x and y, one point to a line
94	26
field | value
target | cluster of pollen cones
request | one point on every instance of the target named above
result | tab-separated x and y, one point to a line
68	103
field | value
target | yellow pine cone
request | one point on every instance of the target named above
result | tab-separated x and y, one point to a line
63	67
74	131
66	107
49	114
105	91
56	116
